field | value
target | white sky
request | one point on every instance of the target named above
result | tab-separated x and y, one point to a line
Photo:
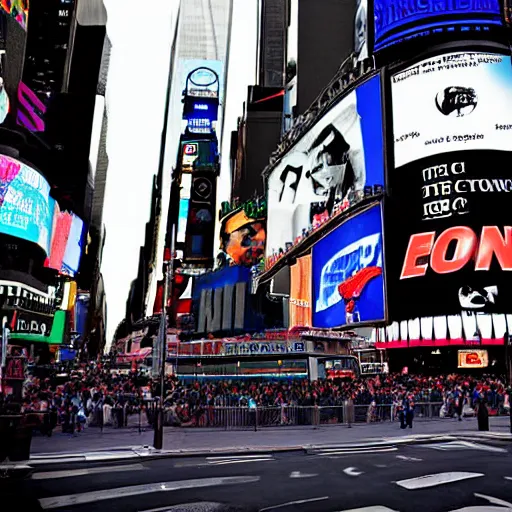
136	88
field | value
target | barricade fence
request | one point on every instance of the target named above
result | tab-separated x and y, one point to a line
142	416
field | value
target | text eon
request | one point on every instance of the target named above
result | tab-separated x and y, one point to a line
454	248
222	309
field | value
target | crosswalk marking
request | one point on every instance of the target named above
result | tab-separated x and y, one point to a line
436	479
47	475
464	445
137	490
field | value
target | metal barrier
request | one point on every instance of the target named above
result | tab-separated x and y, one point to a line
231	417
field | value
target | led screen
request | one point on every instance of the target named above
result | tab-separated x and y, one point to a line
60	235
26	208
71	260
182	220
449	234
18	9
396	21
340	155
348	280
300	293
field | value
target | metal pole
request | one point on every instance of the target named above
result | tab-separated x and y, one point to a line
162	334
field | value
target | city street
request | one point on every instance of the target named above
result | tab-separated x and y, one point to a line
437	476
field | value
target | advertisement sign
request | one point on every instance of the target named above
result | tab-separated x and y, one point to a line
452	178
243	237
205	78
27	322
340	156
259	348
300	293
71	260
17	9
26	208
60	235
348	281
473	359
222	302
201	217
396	22
190	152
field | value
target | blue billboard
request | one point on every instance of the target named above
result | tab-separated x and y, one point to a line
71	260
26	208
396	21
348	273
222	301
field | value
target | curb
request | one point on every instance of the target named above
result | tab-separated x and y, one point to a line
132	453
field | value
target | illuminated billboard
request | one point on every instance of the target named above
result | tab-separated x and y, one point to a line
348	275
71	260
337	158
243	235
395	21
17	9
450	187
300	293
26	208
473	359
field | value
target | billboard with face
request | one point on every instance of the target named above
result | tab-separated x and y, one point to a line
338	157
451	184
348	275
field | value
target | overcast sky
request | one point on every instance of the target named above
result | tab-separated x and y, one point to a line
136	89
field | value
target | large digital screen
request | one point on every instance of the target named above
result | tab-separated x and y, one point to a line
449	229
340	155
60	234
18	9
26	208
348	275
300	293
71	260
396	21
243	238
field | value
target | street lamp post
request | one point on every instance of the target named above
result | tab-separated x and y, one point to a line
158	441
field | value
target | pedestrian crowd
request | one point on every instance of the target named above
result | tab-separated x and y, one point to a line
93	391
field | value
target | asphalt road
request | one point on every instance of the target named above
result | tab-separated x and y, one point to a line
463	474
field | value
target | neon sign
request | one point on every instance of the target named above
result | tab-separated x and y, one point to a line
200	106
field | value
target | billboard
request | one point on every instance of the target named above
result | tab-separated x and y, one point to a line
222	302
452	153
243	235
71	260
339	156
201	217
17	9
60	234
348	275
395	22
473	359
300	293
26	208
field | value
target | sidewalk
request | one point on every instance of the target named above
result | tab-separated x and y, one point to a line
195	440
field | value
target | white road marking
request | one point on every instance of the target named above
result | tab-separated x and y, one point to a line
422	482
224	462
464	445
376	508
47	475
137	490
352	471
349	452
507	477
298	502
493	500
236	457
298	474
201	505
356	449
409	459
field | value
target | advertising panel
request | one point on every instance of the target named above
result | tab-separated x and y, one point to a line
396	22
473	359
18	9
201	217
338	157
221	302
348	280
60	234
452	178
300	293
243	236
71	260
26	208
